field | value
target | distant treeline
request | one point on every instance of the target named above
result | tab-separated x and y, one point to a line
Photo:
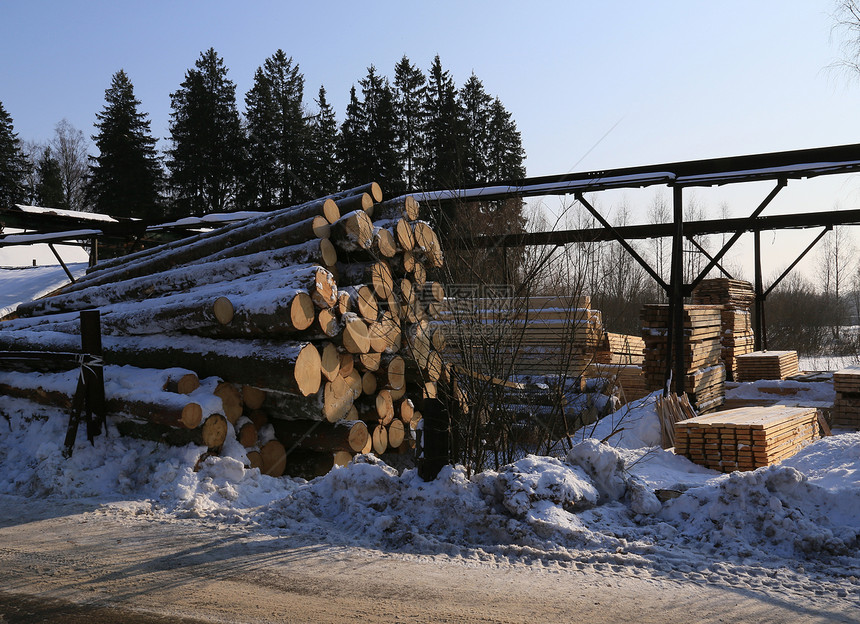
415	131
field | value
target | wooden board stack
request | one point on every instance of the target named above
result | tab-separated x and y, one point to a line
767	365
746	438
313	318
538	335
705	373
735	297
846	408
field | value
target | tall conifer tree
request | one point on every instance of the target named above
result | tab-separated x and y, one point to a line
324	172
443	131
410	86
380	133
351	143
126	177
49	184
277	134
475	104
206	159
13	165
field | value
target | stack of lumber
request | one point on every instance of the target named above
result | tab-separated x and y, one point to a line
746	438
846	408
536	335
767	365
313	320
735	297
619	358
704	372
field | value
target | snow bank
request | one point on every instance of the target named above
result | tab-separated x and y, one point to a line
597	505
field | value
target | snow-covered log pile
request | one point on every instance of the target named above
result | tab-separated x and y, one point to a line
309	324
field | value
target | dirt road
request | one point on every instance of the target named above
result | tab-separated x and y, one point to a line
74	563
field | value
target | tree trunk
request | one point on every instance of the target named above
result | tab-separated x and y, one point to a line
405	207
352	232
287	366
221	278
344	435
376	274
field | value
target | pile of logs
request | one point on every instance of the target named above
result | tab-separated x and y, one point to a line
735	297
311	324
705	373
846	408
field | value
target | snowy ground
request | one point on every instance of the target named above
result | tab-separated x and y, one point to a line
791	530
26	283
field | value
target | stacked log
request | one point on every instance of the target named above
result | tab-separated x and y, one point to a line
306	323
746	438
736	297
846	408
705	373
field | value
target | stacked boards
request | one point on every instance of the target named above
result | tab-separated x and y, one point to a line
537	335
746	438
846	408
735	297
767	365
314	321
619	357
705	373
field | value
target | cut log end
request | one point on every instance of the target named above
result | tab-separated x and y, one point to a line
330	362
253	397
380	439
368	383
328	323
375	191
222	309
307	370
384	407
396	433
358	436
247	435
321	227
342	458
302	311
214	431
396	372
384	241
192	416
330	210
274	458
356	338
328	253
382	280
255	460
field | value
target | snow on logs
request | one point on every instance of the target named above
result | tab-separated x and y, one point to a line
306	330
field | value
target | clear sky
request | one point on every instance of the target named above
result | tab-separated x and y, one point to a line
590	84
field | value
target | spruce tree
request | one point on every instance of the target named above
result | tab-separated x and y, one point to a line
206	159
49	181
126	177
13	165
277	134
475	104
410	86
323	169
380	133
505	153
443	132
351	144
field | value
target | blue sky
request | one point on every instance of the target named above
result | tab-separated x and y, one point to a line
667	80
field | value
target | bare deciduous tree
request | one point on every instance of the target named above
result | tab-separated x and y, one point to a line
70	147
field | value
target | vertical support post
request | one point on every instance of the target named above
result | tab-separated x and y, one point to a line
93	371
675	336
94	252
436	439
759	327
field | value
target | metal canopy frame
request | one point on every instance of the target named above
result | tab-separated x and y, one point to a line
779	167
